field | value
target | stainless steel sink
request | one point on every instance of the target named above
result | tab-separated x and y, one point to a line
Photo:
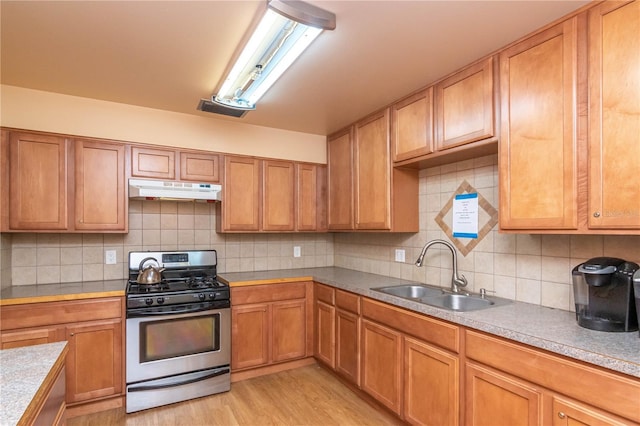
410	291
437	297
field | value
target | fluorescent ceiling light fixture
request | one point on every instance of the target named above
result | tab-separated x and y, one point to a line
285	31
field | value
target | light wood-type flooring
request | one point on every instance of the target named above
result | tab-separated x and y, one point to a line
304	396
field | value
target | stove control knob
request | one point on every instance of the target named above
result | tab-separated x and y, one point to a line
160	300
202	296
212	296
148	301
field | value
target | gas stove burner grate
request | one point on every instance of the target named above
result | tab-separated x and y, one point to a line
148	288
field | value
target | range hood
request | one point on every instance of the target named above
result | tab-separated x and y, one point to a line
140	189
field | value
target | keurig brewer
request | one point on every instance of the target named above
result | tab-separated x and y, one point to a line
604	296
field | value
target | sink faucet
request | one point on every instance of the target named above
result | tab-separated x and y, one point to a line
456	281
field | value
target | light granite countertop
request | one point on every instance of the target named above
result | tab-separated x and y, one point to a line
21	294
23	372
551	329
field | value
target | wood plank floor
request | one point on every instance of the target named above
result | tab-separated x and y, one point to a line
304	396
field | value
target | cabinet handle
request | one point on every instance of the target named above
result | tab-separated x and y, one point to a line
596	214
561	414
72	334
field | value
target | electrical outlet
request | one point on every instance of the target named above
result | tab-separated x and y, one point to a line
110	257
399	255
296	251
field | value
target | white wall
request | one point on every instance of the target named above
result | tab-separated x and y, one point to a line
52	112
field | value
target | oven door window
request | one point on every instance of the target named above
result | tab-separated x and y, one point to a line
172	338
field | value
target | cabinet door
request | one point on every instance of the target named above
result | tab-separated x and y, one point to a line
464	106
37	336
431	385
241	194
250	336
325	333
278	195
288	330
537	151
38	194
381	364
412	126
153	163
348	345
340	180
308	197
494	399
100	193
570	413
614	116
200	167
372	182
94	360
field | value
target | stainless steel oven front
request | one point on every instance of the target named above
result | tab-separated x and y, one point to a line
175	356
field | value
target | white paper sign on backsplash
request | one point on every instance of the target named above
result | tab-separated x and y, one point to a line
465	216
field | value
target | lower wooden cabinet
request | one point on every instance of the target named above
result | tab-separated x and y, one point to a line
94	330
347	348
431	384
495	399
270	324
325	333
567	412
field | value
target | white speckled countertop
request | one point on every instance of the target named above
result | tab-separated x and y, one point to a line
545	328
22	374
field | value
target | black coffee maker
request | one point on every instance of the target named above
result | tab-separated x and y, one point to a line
604	296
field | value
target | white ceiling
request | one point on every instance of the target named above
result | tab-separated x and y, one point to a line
169	54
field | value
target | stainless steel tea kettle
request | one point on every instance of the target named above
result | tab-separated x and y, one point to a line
149	274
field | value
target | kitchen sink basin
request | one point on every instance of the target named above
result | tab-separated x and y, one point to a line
439	298
410	291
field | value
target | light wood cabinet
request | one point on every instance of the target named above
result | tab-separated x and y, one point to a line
170	164
94	361
464	106
538	158
94	330
311	197
57	184
100	188
365	192
241	207
381	364
340	180
270	324
567	412
431	384
278	189
324	324
347	336
492	398
412	126
614	116
38	191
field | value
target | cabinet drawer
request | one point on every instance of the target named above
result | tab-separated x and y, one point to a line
267	293
50	313
430	330
325	294
348	301
619	394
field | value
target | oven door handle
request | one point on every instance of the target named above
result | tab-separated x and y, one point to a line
186	382
138	314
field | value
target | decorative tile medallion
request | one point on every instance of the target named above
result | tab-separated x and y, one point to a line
487	219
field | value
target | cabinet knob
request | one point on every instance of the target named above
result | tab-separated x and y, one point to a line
561	414
596	214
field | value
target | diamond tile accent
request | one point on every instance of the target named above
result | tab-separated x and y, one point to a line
487	219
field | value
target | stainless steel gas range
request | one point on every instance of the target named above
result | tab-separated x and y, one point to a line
178	330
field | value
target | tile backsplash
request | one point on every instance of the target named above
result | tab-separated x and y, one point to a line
529	268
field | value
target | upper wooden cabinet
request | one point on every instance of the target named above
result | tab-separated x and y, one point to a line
169	164
365	191
537	154
412	126
57	184
614	116
464	106
100	190
272	195
278	189
38	193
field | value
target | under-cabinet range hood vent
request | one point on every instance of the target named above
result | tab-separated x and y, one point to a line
140	189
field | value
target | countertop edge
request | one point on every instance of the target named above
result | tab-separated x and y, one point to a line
60	297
